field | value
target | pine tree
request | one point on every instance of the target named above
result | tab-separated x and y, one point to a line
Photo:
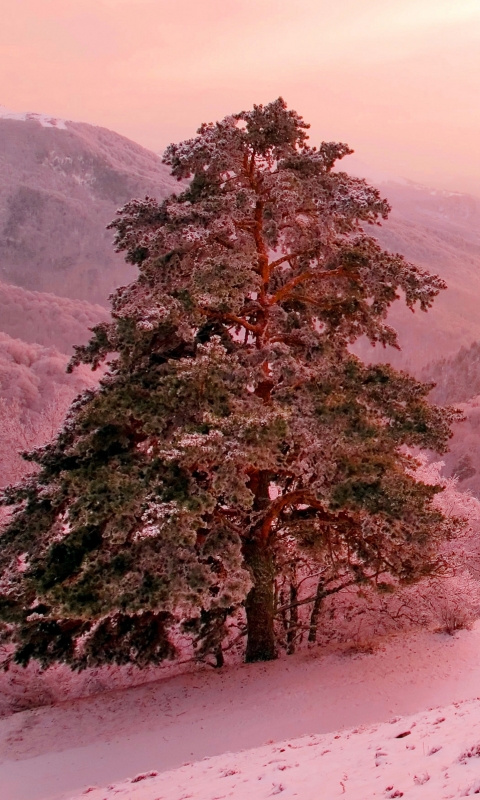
233	417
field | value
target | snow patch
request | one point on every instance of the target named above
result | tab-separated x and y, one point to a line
25	116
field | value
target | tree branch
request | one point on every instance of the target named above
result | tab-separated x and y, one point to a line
298	497
307	600
305	276
286	257
224	316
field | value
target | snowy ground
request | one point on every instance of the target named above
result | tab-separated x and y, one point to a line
59	751
427	756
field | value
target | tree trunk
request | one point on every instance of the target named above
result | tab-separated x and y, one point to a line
293	622
219	658
282	601
319	596
260	603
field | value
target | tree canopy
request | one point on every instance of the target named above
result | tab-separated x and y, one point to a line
233	423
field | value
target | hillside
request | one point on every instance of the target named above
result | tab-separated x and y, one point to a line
60	185
35	393
438	760
463	457
457	378
440	232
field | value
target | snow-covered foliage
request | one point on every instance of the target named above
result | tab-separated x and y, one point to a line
21	431
234	427
47	319
462	461
457	381
35	388
31	374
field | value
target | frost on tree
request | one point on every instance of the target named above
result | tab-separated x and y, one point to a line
233	422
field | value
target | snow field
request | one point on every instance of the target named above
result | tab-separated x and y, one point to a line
58	751
431	755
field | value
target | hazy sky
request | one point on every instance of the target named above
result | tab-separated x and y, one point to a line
399	80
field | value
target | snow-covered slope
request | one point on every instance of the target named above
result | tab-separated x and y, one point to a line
59	751
430	756
25	116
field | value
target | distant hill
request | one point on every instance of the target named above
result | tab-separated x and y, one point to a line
47	319
457	380
60	184
440	232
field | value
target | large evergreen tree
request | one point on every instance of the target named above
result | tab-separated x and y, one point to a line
233	420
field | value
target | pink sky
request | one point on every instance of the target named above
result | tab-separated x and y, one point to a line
399	80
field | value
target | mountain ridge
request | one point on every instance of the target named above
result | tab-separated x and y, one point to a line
59	188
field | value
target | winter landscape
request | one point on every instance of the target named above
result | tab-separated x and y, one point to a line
239	401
